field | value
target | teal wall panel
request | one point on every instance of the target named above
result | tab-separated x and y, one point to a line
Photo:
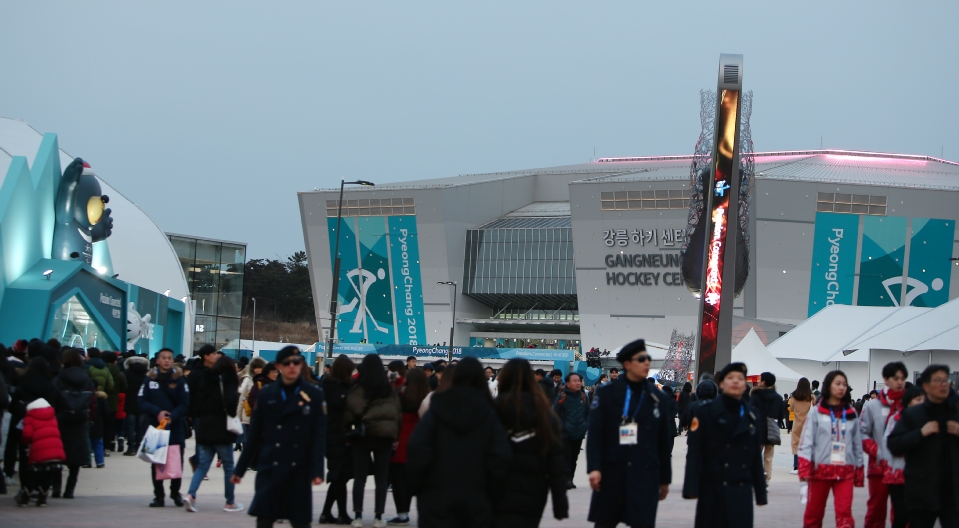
882	260
832	275
930	249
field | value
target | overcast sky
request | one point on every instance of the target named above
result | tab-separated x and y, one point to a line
211	115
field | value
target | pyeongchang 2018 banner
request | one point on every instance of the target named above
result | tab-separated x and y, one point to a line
380	295
833	272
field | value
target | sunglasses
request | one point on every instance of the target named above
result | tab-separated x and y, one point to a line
642	359
291	361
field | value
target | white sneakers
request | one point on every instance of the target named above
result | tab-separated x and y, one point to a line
233	508
379	523
794	472
188	503
357	523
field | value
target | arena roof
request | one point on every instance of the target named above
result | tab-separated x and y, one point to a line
825	165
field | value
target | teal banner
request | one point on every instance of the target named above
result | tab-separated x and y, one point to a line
407	280
833	269
348	294
882	261
380	293
929	266
532	354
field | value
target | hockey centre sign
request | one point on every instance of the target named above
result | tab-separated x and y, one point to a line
614	263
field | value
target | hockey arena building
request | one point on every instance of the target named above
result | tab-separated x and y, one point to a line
588	255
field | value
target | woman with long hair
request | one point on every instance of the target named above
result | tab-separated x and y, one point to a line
458	455
799	404
76	389
373	414
339	459
535	438
414	390
830	454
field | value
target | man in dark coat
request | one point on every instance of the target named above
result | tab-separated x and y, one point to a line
76	389
629	445
724	464
927	435
214	396
767	401
164	395
113	428
136	368
288	439
546	383
572	407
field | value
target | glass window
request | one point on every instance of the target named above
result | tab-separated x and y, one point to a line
877	200
227	330
826	197
73	326
231	280
205	276
824	206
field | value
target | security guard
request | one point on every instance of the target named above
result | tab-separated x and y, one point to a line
287	442
724	463
629	445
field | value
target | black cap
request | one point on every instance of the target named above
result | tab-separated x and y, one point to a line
732	367
631	349
206	349
286	352
428	366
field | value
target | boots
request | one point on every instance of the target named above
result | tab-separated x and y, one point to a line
120	445
42	498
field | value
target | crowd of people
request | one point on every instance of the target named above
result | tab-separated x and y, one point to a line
476	446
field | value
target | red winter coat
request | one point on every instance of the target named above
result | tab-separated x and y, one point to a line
406	429
121	411
42	434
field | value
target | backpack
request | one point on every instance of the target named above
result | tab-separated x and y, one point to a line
77	408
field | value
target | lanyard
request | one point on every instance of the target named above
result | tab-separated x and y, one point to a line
742	410
629	395
840	435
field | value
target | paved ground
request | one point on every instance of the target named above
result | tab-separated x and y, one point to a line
117	496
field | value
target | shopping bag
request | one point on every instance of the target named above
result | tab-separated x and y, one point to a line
153	448
173	469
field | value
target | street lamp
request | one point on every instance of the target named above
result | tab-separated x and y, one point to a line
253	350
336	265
453	284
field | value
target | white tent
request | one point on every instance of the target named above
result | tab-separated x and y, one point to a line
829	331
928	330
757	358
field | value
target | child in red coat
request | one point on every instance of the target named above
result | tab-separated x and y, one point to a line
41	435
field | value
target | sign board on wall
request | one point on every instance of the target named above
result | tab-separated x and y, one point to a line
380	295
881	267
635	266
531	354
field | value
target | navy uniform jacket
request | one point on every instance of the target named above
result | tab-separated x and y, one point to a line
724	464
287	440
631	474
166	391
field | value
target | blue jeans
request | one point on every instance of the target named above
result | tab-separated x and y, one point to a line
205	453
135	425
97	444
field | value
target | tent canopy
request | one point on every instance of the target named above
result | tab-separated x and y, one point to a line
927	329
829	331
757	358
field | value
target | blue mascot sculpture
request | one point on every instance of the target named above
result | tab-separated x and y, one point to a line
82	218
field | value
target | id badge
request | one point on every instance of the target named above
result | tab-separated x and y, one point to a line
627	434
838	453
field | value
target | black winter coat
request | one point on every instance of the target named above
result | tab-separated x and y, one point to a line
532	474
74	427
631	474
457	457
287	438
549	389
136	368
119	385
724	463
573	411
166	391
338	457
769	404
209	406
925	454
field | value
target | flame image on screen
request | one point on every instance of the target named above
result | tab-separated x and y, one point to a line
716	250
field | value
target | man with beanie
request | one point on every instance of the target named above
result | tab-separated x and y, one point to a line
766	399
287	438
724	465
872	423
629	445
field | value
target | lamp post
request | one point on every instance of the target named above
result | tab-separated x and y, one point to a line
336	265
253	350
453	284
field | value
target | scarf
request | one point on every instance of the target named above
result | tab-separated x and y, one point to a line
892	399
